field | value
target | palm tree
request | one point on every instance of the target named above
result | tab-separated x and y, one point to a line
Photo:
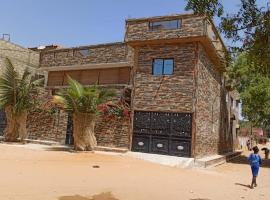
82	102
17	97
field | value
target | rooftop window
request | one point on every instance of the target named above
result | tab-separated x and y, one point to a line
165	25
84	52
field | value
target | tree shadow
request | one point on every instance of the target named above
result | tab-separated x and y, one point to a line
60	148
243	160
199	199
101	196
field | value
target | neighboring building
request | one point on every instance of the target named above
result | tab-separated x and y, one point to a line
174	66
20	58
233	106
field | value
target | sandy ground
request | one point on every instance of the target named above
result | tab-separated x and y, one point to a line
31	173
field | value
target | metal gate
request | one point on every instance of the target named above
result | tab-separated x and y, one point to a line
3	122
69	134
162	133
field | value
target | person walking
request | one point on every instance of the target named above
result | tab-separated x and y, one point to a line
248	145
255	161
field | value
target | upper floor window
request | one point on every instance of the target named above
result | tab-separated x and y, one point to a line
167	25
163	66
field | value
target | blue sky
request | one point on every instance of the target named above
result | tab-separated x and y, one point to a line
80	22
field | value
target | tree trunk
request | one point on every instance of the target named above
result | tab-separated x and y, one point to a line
21	121
11	131
83	131
16	126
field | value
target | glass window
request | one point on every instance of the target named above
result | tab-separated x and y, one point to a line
163	66
158	67
168	67
170	24
84	52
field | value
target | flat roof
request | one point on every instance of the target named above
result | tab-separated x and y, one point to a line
172	16
87	46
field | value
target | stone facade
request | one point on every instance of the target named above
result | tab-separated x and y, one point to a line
196	85
138	29
113	133
53	127
107	53
42	126
165	93
208	106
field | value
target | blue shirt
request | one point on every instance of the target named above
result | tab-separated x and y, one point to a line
254	160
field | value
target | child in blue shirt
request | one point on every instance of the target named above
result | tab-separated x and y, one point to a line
255	161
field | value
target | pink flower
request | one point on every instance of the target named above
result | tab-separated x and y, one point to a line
126	112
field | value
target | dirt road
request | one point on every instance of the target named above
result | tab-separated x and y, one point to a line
30	173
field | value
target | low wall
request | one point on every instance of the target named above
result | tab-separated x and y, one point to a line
47	127
113	133
109	133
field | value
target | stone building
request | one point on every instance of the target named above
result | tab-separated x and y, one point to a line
174	66
21	58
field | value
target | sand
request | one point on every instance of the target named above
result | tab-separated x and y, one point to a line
32	172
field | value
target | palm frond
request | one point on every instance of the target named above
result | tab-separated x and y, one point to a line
16	90
83	99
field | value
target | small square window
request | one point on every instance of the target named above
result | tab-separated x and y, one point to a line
163	66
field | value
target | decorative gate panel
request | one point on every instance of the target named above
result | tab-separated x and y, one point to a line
69	134
162	133
3	122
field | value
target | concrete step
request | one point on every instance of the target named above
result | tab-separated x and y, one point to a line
44	142
171	161
211	161
110	149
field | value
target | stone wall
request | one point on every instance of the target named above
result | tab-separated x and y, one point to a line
165	93
138	30
210	109
53	127
110	133
19	56
113	133
105	53
42	126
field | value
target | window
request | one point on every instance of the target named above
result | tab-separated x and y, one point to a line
163	66
167	25
84	52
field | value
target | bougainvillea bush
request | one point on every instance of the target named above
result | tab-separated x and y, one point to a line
111	110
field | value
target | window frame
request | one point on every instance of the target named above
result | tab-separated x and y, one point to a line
163	59
151	27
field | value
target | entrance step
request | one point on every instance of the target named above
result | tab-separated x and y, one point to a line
211	161
44	142
171	161
110	149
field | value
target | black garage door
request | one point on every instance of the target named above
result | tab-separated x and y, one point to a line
162	133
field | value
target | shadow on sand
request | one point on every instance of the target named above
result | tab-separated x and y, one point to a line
60	148
101	196
199	199
243	160
244	185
